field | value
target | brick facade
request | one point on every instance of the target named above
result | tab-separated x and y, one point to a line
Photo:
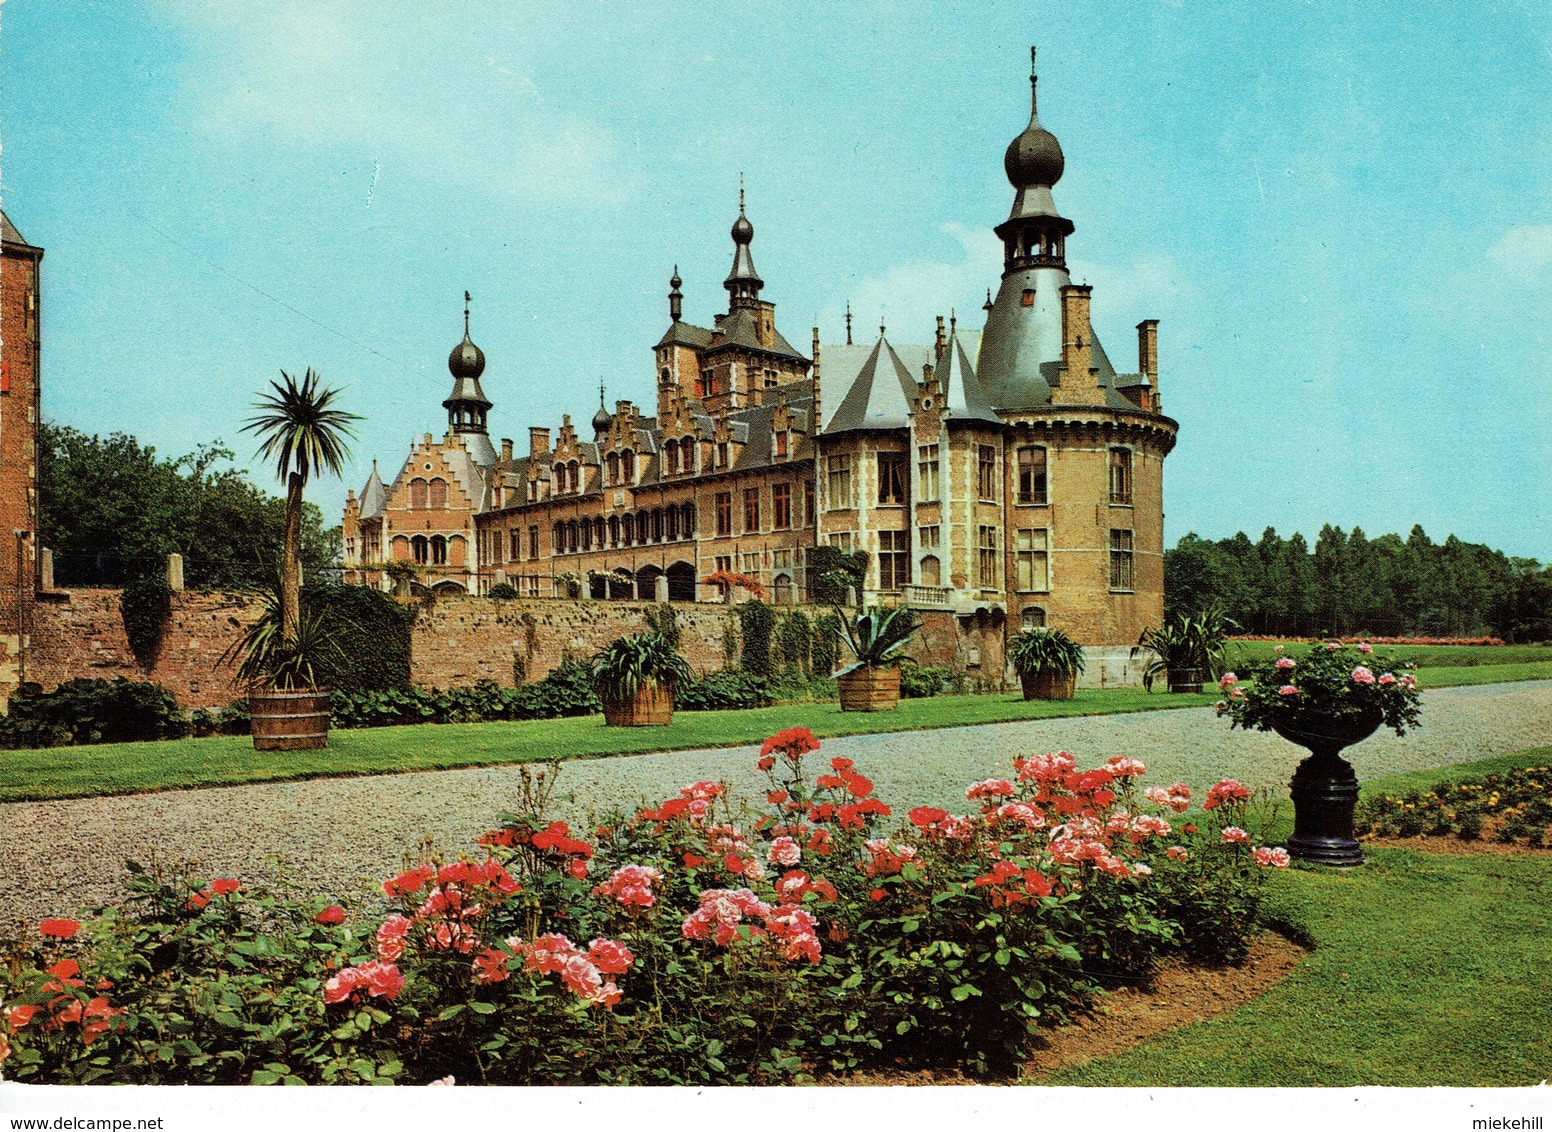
20	408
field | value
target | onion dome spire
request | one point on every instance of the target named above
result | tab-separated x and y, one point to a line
602	418
675	296
1035	156
743	282
467	405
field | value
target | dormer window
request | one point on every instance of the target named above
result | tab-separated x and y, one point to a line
781	443
722	454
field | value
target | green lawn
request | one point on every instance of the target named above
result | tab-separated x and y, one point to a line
1423	656
129	768
1427	970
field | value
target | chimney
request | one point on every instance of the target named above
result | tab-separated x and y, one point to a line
538	444
1079	375
941	340
1148	358
506	449
813	425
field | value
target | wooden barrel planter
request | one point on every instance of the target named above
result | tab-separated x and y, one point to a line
1185	679
1046	685
290	720
870	689
651	706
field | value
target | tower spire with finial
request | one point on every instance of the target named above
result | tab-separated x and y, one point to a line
466	301
743	282
848	321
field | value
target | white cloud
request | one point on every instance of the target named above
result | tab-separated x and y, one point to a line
1523	251
428	91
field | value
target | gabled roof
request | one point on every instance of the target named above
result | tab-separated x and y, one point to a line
373	497
880	395
963	398
739	328
9	233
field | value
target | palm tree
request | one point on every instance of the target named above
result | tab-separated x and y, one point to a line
300	430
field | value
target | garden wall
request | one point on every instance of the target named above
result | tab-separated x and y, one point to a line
455	641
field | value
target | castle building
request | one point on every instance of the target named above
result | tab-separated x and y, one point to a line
1015	478
20	412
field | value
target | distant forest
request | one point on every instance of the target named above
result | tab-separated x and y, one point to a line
1350	584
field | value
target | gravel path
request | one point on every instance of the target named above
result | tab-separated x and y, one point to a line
338	836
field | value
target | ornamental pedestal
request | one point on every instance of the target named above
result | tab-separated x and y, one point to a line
1325	789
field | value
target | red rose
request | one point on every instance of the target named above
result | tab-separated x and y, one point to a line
333	914
59	929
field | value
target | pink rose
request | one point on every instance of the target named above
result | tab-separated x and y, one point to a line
1228	681
1387	679
1366	648
1362	675
1285	662
1333	646
1270	858
784	851
1287	690
1177	853
1279	648
1234	835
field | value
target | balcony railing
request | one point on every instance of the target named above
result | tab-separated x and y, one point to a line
925	597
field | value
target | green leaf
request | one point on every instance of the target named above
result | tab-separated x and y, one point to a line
483	1007
451	1012
364	1068
904	1027
264	1077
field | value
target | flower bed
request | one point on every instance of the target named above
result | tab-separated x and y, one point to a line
1513	808
1377	640
688	942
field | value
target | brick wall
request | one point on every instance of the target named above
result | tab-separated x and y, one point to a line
456	640
80	634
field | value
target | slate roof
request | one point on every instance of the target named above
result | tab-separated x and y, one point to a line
963	398
9	233
684	334
880	395
374	499
739	328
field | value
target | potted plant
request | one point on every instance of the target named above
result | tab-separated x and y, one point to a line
1048	662
1326	701
635	678
727	581
301	431
876	639
1186	649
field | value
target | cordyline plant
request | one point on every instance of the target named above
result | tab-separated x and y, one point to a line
1331	683
688	942
302	432
1186	641
644	660
1045	650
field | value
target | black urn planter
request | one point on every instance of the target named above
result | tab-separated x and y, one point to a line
1325	789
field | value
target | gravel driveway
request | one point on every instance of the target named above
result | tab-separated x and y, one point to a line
337	836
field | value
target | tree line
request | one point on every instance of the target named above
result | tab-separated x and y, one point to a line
112	509
1350	585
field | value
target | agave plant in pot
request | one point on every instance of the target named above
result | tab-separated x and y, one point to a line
302	432
1326	701
1186	649
1048	663
635	678
876	639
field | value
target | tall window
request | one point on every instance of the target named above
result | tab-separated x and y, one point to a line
752	564
927	471
1121	477
1031	553
842	541
894	560
1031	476
840	482
891	477
724	511
781	506
628	465
687	449
436	495
987	556
986	472
417	494
780	440
687	522
751	509
1120	560
671	457
438	551
808	503
533	542
421	548
722	453
613	460
514	544
927	537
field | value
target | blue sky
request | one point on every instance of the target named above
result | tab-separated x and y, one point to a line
1341	214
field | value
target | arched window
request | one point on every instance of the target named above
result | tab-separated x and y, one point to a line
571	536
614	468
437	495
420	547
931	571
417	494
558	538
614	531
628	465
438	550
657	526
687	521
672	526
401	549
628	529
687	447
598	532
671	457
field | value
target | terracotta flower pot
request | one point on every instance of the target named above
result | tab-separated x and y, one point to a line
1046	685
870	689
651	706
290	720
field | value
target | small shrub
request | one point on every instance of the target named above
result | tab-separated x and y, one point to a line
502	591
918	682
722	691
145	607
91	711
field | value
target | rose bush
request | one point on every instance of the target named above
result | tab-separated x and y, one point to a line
687	942
1332	682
